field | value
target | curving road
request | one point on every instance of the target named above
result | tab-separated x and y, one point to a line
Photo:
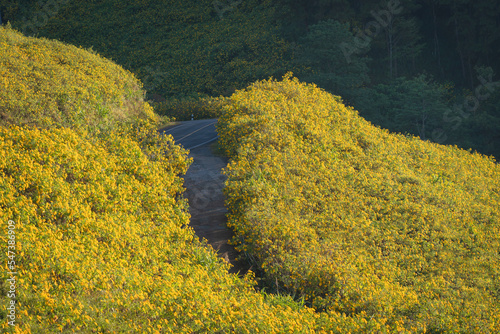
204	183
193	134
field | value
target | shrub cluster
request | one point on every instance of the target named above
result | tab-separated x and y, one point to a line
47	83
188	108
104	243
364	224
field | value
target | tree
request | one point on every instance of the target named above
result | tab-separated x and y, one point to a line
8	10
401	29
422	107
415	106
478	119
333	59
474	28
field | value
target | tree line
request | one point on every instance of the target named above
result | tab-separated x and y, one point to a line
423	67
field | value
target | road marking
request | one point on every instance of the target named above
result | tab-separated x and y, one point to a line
207	142
189	134
168	128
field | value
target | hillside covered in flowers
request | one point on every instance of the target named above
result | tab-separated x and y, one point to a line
92	196
350	228
378	227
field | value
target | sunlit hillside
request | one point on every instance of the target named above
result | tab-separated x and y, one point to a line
46	83
95	229
351	228
103	244
382	228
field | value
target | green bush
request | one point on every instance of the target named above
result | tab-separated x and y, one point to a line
184	109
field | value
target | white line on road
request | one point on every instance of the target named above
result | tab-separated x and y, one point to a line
189	134
207	142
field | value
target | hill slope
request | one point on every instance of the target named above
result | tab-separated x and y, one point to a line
102	243
383	228
46	83
95	226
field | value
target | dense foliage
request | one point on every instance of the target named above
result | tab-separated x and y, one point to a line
369	231
381	228
360	50
189	108
103	242
177	47
102	236
46	83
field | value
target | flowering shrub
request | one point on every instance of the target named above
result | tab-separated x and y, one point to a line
376	232
48	83
375	228
104	243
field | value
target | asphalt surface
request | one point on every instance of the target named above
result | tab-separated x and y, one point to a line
204	183
193	134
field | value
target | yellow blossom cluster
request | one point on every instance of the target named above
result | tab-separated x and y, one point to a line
50	83
385	230
104	243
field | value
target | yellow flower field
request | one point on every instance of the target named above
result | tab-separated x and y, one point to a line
358	221
49	83
95	230
104	243
357	230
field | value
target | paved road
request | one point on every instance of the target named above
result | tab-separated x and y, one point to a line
193	134
204	183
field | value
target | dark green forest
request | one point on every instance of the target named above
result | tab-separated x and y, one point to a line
421	67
